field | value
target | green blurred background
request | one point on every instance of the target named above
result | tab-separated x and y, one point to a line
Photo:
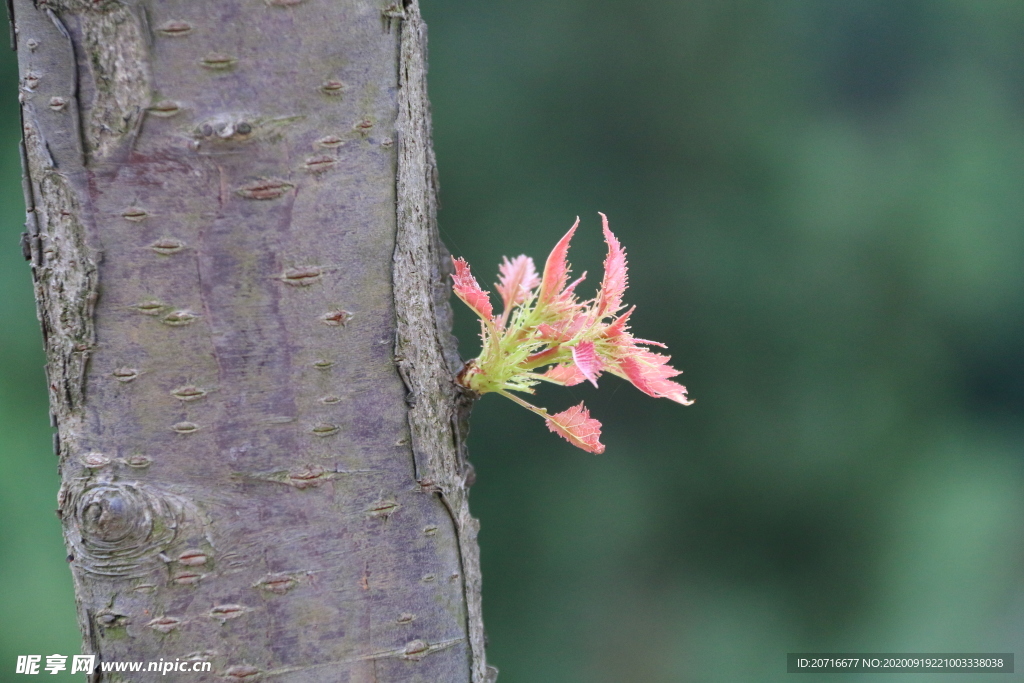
822	204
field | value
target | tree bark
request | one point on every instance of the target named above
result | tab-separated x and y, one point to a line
231	227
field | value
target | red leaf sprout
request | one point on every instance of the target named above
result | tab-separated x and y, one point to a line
543	324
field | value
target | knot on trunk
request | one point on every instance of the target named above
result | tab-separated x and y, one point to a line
126	529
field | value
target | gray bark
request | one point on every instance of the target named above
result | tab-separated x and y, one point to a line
231	226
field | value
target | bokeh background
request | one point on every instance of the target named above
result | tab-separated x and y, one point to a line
822	204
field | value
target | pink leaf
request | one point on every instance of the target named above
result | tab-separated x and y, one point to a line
468	289
517	278
565	329
618	326
637	340
578	428
649	372
609	298
540	358
585	358
548	332
572	288
556	269
566	375
616	331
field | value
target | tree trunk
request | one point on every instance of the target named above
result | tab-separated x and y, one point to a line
231	226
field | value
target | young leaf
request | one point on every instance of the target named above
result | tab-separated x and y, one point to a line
618	327
556	269
578	428
649	372
613	285
566	375
564	329
468	289
517	278
543	324
585	358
